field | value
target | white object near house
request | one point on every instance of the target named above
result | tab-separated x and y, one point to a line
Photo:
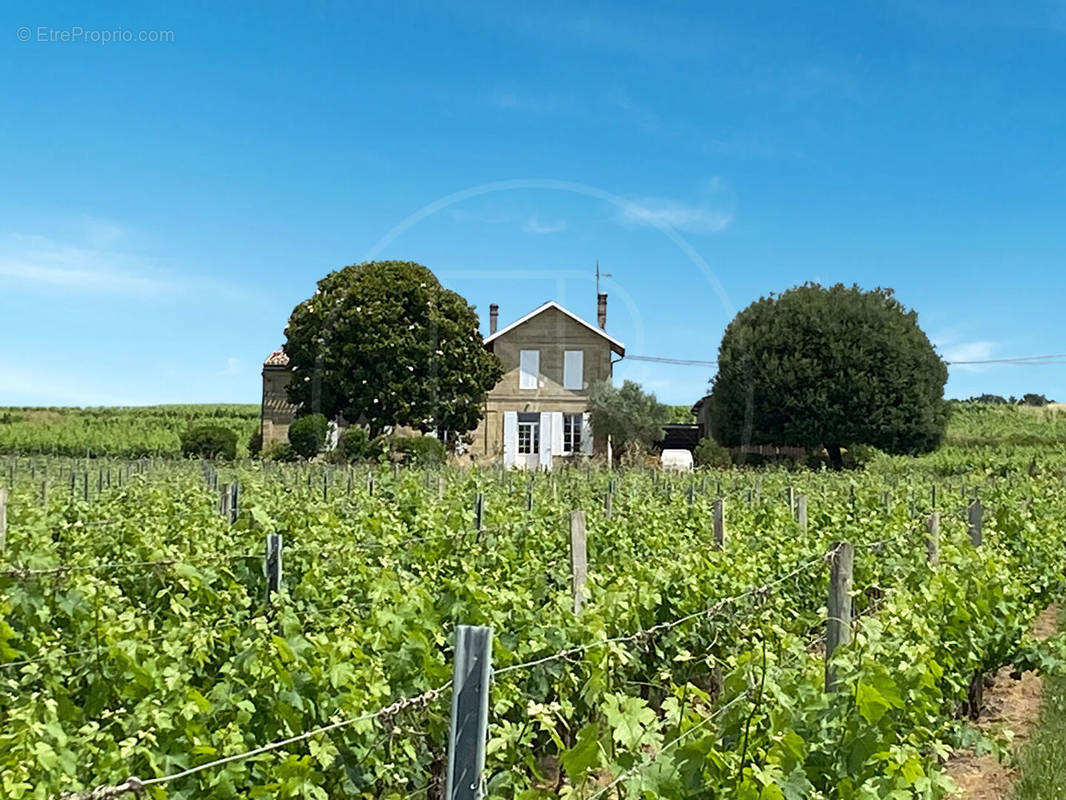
676	460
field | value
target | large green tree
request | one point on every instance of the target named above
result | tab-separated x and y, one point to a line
829	367
384	344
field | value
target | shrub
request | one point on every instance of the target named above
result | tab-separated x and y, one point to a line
255	444
209	441
421	451
860	455
709	453
628	415
355	444
307	435
279	451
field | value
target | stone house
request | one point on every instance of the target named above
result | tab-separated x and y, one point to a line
537	415
538	412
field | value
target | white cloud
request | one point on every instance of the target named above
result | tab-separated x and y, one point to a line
38	260
534	225
664	212
51	387
710	213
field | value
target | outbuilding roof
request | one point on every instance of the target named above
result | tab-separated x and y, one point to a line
616	345
277	359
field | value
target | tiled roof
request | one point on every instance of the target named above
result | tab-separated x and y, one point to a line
277	359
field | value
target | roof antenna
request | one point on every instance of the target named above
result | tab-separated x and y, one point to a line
600	275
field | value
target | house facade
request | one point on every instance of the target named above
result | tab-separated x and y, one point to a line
537	416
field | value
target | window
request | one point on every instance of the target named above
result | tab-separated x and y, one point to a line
571	433
528	434
528	368
574	369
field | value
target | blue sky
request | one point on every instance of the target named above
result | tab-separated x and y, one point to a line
164	205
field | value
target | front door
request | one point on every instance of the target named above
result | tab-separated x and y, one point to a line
528	450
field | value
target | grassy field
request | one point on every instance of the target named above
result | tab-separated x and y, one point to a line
1043	762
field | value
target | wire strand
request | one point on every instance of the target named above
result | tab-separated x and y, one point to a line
133	784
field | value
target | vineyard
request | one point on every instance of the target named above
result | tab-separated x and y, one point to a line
124	432
142	648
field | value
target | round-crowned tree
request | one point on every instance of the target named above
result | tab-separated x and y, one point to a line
829	367
384	344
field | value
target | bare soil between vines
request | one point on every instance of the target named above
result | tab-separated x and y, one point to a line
1009	704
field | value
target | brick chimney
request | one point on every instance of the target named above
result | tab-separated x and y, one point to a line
494	318
601	310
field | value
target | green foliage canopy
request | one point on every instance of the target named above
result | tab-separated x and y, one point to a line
830	366
384	344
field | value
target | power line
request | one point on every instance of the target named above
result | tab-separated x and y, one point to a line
681	361
1055	358
1019	360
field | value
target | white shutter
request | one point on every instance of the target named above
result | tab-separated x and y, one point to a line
586	434
546	439
574	369
557	433
510	437
528	368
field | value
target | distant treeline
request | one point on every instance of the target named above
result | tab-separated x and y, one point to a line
1025	400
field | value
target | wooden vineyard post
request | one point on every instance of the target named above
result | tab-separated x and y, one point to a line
790	498
974	517
273	564
44	493
85	486
719	523
325	487
3	519
607	505
886	498
932	539
224	501
468	732
838	625
801	512
578	559
479	512
975	699
234	502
